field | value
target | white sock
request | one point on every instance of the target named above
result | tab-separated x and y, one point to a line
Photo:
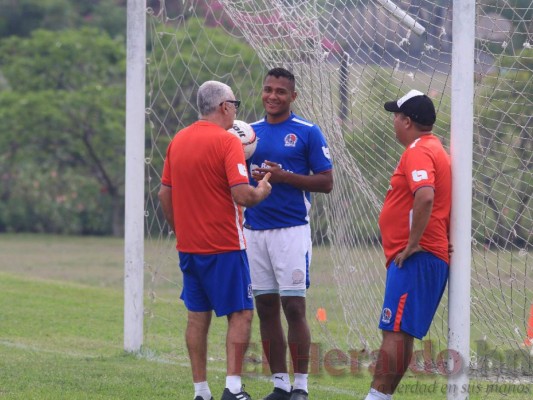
300	381
202	389
281	380
373	394
234	383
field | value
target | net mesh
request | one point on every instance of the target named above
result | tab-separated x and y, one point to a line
349	57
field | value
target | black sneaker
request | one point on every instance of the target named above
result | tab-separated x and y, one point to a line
299	394
200	398
227	395
278	394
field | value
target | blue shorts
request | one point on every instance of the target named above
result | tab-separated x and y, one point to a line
219	282
413	293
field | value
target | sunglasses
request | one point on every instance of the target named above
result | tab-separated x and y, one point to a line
236	103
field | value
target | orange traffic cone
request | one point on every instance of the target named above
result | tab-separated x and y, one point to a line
321	315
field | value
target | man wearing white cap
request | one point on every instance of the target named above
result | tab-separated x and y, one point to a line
414	225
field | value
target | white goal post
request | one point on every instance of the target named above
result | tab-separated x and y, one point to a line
461	137
134	192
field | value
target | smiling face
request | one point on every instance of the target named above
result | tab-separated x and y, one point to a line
277	96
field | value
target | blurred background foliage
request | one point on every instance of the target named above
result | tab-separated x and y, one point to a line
62	106
62	111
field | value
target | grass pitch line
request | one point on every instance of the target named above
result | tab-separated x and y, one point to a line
152	357
23	346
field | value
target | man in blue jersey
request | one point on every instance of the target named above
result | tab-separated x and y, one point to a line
277	230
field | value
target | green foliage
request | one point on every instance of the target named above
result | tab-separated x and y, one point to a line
511	81
62	114
376	148
194	46
22	17
503	169
66	60
184	57
19	18
109	15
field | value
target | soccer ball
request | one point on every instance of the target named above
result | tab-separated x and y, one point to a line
246	133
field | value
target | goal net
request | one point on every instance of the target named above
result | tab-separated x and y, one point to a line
349	57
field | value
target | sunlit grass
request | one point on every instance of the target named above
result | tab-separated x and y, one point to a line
61	333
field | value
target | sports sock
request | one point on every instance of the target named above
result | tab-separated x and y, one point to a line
300	381
281	380
373	394
234	383
202	389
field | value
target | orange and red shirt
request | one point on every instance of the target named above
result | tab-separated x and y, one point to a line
423	163
203	161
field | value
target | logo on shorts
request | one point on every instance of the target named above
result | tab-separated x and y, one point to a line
250	291
297	277
386	315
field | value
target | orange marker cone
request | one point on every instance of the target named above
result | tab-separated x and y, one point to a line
529	339
321	315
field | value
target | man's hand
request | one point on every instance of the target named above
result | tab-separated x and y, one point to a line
248	196
405	254
277	174
450	249
265	184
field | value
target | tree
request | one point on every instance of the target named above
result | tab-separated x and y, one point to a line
175	75
505	147
21	17
63	112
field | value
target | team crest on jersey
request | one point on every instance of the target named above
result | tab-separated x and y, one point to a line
386	315
290	140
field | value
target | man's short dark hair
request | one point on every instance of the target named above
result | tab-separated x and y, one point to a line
282	73
422	127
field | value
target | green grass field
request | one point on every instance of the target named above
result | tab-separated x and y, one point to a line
61	322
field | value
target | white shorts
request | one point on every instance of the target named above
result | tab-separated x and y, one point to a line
279	260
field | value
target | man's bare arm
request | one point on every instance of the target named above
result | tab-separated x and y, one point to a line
248	196
165	198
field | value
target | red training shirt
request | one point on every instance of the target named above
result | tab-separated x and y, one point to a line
202	163
423	163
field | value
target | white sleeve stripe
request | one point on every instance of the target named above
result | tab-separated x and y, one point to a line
302	122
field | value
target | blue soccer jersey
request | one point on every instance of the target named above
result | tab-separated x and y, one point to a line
299	147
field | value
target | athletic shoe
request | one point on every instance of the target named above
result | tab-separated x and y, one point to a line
200	398
278	394
299	394
227	395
